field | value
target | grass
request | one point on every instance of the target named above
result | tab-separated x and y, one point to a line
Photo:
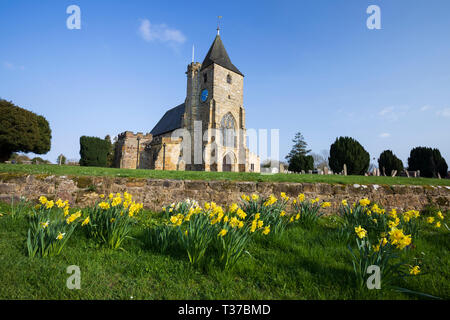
201	175
302	264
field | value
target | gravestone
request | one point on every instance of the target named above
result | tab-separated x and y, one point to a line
345	169
325	170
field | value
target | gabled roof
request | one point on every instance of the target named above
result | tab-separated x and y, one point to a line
170	121
218	55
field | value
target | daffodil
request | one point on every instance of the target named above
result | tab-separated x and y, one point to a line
414	270
364	202
85	221
360	232
223	232
60	236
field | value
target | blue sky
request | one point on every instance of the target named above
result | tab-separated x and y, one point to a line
310	66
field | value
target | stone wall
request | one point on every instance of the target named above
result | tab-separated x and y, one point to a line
126	153
154	193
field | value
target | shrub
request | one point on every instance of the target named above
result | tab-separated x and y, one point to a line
348	151
389	162
94	151
428	161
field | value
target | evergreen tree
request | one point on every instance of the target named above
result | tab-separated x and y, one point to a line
301	162
348	151
429	161
389	162
22	131
299	147
93	151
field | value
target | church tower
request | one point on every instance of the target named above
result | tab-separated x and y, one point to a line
215	97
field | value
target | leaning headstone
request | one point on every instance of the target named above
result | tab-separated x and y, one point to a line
407	173
345	169
439	175
393	173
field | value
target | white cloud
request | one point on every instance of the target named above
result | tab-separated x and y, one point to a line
444	113
160	32
394	113
384	135
425	108
11	66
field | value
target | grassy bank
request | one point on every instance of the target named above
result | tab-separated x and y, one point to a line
301	264
199	175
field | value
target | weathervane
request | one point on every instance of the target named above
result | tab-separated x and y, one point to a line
218	24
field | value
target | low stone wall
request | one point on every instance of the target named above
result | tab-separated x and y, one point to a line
154	193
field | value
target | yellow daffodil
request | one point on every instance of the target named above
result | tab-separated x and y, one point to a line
60	236
223	232
85	221
42	200
430	220
414	270
360	232
325	204
364	202
266	230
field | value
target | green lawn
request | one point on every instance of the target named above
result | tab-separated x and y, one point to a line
199	175
302	264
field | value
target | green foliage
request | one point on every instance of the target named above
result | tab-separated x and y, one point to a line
299	147
111	221
429	161
270	210
61	159
389	162
301	264
49	230
19	208
307	212
301	162
94	151
111	152
385	258
22	131
348	151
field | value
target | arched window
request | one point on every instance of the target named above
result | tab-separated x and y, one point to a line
228	128
229	79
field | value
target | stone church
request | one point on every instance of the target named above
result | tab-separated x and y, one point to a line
205	133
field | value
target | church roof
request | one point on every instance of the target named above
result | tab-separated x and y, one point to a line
170	121
218	55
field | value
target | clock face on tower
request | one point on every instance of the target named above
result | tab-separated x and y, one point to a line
204	95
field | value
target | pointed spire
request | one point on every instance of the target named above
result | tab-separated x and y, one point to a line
218	55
